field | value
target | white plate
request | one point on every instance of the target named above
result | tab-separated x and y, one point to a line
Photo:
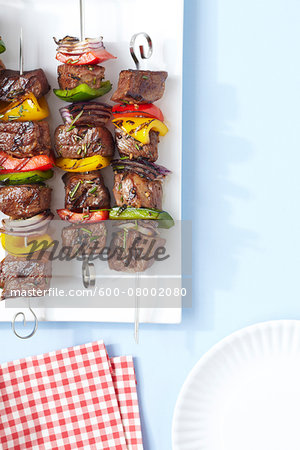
244	394
116	21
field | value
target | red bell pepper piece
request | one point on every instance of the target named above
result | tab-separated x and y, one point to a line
91	57
92	217
137	110
10	164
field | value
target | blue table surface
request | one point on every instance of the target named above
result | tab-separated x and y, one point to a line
241	189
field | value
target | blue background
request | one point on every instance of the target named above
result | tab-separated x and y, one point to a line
241	189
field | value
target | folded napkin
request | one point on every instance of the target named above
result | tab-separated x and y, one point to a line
124	380
69	399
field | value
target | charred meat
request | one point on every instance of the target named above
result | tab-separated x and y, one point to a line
140	86
81	142
84	239
129	247
25	200
85	190
18	273
93	114
70	76
136	190
128	146
12	84
138	183
25	139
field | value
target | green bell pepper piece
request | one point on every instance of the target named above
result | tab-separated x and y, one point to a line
128	213
33	176
2	46
82	92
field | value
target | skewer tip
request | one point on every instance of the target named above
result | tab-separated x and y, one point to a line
21	52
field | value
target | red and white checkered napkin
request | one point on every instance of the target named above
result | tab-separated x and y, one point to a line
63	400
124	380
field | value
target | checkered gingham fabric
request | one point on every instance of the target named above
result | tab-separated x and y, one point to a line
67	400
124	380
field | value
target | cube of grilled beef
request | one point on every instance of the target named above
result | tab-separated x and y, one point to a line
131	250
2	66
70	76
84	239
18	273
25	139
128	146
12	84
140	86
94	114
85	190
78	143
134	190
24	200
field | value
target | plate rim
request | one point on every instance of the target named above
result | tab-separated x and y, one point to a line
212	351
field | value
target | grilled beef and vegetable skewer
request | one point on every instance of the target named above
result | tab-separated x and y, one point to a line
25	163
83	144
138	188
25	144
139	123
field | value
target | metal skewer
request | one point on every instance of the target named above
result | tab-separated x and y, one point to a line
81	7
88	274
21	63
88	268
21	52
137	309
13	324
144	55
141	47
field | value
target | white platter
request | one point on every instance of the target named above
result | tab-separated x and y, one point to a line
116	21
244	393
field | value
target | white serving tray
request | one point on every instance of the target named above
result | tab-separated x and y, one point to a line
116	21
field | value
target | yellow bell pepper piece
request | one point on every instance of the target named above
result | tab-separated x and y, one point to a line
83	165
26	108
140	127
16	245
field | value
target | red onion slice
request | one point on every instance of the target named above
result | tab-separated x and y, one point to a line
31	224
40	231
140	166
87	113
73	46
